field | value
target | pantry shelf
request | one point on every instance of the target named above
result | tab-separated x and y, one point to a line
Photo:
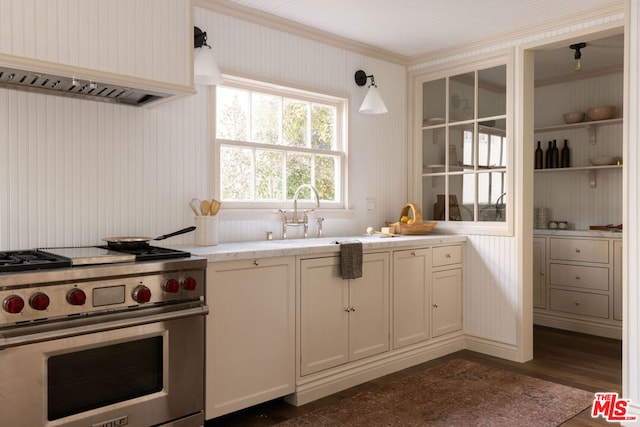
590	126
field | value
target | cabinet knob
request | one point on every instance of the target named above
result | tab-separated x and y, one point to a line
413	253
577	250
577	302
577	277
447	256
255	262
349	309
435	305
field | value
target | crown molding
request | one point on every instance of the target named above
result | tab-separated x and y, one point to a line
229	8
611	11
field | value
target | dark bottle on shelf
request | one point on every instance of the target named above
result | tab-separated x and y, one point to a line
555	156
565	155
547	155
539	157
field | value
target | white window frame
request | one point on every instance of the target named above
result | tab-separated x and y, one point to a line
417	78
341	103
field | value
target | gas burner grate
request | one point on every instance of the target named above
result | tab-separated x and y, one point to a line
30	260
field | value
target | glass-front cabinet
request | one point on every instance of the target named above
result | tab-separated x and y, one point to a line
462	144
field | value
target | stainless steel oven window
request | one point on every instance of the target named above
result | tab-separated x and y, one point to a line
83	380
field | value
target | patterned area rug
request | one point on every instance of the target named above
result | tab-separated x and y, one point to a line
457	393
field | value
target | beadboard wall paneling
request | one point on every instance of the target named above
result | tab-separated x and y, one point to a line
142	38
377	144
77	171
74	172
490	299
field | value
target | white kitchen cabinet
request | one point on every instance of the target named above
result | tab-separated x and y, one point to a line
580	285
539	272
411	296
446	301
250	334
446	290
342	320
145	39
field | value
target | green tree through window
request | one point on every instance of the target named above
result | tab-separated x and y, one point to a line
270	141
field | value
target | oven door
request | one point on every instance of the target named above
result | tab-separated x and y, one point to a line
139	372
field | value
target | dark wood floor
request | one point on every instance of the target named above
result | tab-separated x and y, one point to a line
577	360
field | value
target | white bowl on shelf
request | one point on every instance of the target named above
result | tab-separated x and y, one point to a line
603	160
575	117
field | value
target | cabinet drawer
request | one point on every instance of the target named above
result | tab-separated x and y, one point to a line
579	276
446	255
583	303
586	250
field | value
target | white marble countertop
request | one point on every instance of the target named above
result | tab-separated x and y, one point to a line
311	246
578	233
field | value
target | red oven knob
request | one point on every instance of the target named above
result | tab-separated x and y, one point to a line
76	297
13	304
189	284
172	286
141	294
39	301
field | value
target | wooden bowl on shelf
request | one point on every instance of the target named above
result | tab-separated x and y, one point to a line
602	113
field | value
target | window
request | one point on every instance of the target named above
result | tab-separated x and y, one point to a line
271	140
463	138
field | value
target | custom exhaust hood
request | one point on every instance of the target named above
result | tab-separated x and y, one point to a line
56	79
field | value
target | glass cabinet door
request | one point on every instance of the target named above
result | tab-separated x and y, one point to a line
464	146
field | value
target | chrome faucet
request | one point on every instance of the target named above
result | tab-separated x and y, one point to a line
294	220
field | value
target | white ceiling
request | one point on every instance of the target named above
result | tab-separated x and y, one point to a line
416	27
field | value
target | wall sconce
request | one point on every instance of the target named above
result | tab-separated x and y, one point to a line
205	69
577	65
372	103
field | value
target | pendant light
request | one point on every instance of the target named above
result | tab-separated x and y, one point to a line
372	103
205	69
577	63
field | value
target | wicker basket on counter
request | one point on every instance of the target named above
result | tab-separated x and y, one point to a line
418	226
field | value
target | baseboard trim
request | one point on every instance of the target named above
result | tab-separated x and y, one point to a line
577	325
319	385
492	348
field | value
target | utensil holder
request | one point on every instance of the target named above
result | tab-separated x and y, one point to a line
207	228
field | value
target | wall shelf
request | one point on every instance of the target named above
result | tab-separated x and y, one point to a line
590	126
592	171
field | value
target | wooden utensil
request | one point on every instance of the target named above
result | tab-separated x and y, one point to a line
205	207
214	207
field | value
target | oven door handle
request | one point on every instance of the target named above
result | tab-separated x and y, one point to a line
83	327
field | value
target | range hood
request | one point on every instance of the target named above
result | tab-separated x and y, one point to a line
55	79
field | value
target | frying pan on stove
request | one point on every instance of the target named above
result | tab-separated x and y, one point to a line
134	243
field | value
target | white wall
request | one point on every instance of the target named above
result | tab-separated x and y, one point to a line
377	151
73	171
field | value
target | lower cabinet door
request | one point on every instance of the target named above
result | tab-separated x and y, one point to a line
369	308
324	315
250	334
411	307
446	302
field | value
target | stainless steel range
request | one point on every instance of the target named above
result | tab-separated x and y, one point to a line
97	337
